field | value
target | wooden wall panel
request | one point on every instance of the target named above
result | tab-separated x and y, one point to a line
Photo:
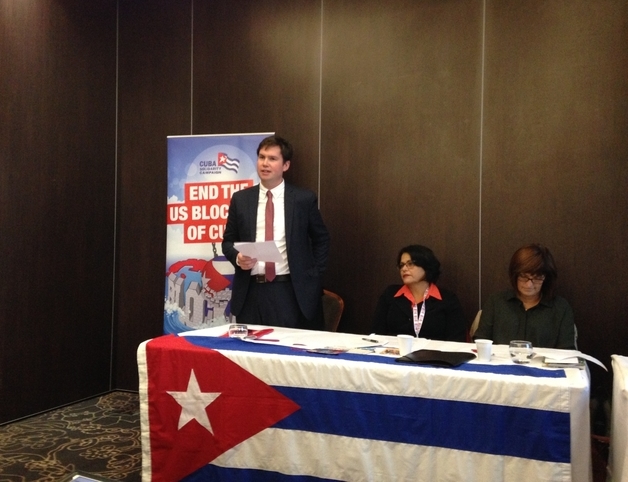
555	167
401	125
154	102
57	132
257	69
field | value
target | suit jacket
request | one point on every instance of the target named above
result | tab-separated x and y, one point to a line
307	244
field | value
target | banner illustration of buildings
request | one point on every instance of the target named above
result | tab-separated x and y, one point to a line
203	173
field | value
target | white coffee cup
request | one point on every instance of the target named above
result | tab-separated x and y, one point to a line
484	348
405	344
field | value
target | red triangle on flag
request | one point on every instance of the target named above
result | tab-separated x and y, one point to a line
216	281
244	407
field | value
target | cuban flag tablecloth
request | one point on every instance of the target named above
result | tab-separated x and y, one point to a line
219	408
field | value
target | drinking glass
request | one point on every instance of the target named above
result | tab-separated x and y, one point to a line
520	351
238	330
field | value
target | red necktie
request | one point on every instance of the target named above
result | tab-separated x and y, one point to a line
269	220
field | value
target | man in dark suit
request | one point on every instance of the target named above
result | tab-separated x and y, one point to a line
287	293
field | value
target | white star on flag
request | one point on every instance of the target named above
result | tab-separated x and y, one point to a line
193	404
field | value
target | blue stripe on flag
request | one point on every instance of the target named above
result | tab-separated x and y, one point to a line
518	432
220	474
235	344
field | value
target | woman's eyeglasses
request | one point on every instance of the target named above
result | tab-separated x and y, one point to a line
537	280
408	264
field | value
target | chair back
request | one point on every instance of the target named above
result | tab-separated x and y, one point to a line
474	325
333	306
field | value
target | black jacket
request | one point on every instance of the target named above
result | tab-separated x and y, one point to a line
444	319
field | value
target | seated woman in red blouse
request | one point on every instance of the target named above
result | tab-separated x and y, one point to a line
418	307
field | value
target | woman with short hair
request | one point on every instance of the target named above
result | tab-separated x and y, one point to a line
418	307
531	310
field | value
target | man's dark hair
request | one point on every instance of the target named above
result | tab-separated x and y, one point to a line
284	146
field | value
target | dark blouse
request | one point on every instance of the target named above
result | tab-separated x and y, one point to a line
550	324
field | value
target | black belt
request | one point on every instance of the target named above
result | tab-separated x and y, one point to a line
281	278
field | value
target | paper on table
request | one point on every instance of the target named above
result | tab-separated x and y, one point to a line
570	359
262	251
574	359
319	340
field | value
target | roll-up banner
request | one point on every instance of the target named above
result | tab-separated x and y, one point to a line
203	173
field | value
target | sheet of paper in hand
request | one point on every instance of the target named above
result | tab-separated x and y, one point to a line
437	358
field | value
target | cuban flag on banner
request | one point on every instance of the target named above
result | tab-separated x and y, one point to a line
223	409
228	163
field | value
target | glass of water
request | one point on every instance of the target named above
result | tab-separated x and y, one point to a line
521	351
237	330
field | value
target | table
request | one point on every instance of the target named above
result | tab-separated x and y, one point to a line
618	455
217	408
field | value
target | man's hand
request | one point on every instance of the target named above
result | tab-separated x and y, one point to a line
246	262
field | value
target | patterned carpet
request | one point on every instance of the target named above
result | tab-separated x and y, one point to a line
99	438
